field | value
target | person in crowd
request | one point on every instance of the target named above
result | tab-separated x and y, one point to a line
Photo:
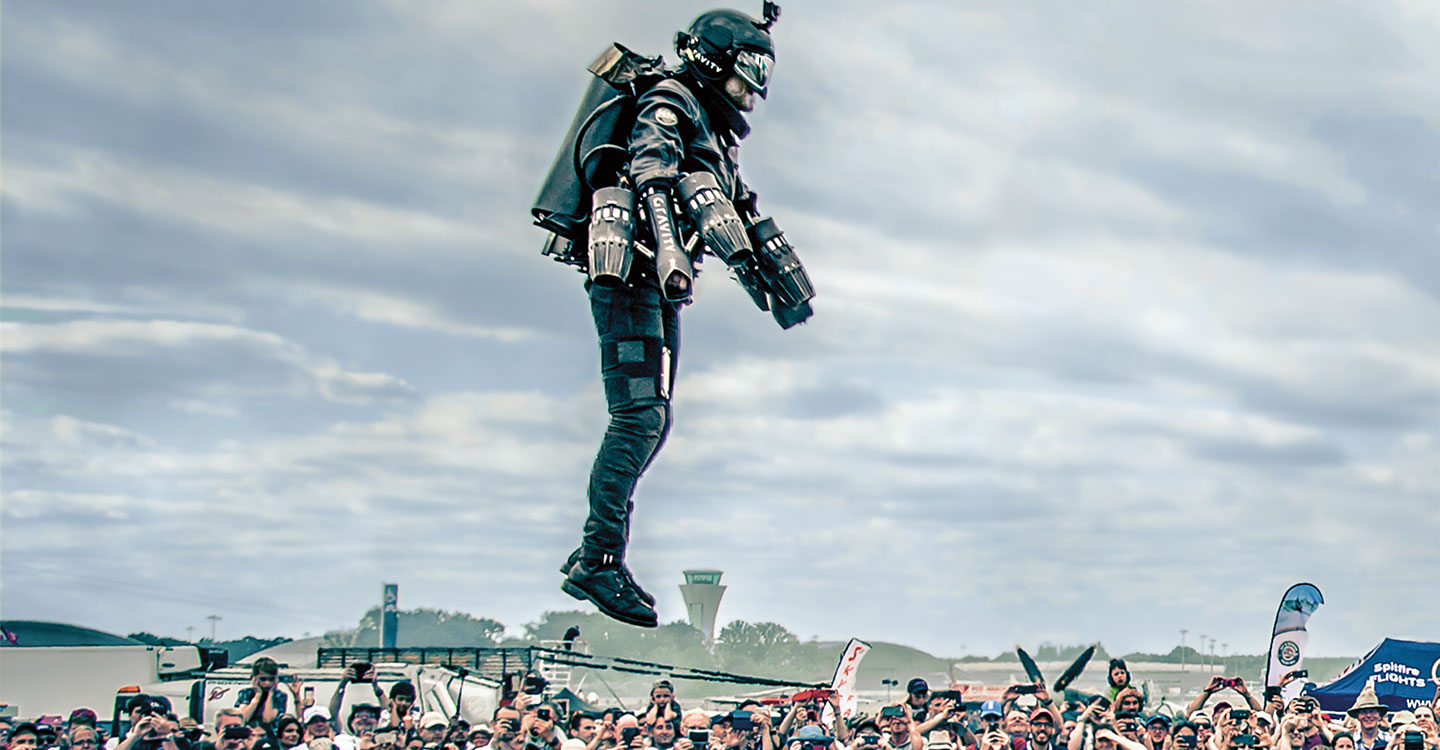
1127	724
80	737
1118	676
289	732
1344	741
355	673
1042	728
693	722
867	735
479	737
434	725
83	716
136	707
317	724
1425	722
538	724
1184	735
1204	727
506	723
1016	726
1107	739
261	703
398	710
153	730
359	725
1157	732
1094	717
663	706
991	716
917	699
663	733
1367	712
581	725
1130	702
900	731
24	736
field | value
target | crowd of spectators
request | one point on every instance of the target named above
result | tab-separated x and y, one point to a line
1026	717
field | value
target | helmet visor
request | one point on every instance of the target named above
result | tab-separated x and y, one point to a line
754	68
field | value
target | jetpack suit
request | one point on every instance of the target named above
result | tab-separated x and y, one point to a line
645	184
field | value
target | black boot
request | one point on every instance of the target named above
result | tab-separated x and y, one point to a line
575	557
603	581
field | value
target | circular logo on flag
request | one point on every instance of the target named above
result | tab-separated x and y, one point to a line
1289	654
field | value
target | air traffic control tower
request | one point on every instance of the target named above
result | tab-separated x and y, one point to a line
702	592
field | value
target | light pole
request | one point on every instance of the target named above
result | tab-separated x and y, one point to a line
888	684
1201	652
1212	655
1183	631
213	620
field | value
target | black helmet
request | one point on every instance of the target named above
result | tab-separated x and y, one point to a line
723	42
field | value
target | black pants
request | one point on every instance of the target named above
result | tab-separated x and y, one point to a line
639	339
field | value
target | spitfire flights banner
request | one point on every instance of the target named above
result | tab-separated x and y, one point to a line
1289	637
845	674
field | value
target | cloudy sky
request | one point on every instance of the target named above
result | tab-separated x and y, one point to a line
1128	318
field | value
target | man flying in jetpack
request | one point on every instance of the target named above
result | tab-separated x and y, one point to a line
644	185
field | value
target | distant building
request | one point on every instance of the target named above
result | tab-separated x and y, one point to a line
702	592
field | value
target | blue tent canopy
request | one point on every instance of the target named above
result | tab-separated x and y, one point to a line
1402	671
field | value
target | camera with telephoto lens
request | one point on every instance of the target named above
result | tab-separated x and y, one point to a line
699	737
1240	714
1244	740
1414	740
740	721
1024	689
628	735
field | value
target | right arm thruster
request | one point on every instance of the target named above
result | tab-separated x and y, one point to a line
719	223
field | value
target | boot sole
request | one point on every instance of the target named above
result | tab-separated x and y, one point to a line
579	593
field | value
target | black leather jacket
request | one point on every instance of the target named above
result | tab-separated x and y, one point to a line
676	134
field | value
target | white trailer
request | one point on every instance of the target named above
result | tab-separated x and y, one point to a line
49	680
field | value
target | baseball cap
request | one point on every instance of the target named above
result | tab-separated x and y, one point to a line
360	707
433	719
990	708
809	731
917	685
1042	711
1158	718
83	716
316	712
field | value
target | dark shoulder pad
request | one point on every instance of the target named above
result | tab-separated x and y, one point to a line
675	95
